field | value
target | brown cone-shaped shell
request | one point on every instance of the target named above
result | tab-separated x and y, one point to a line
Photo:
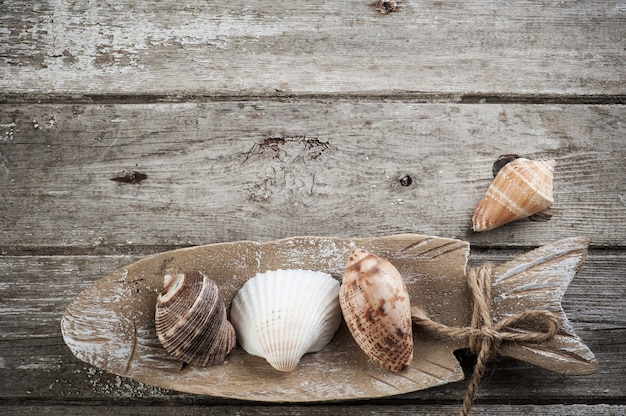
377	310
520	189
191	320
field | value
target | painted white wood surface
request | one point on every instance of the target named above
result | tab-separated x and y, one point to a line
107	48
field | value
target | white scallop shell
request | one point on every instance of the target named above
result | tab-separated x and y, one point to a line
281	315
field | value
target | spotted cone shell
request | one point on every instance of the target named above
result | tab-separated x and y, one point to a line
281	315
377	310
520	189
191	320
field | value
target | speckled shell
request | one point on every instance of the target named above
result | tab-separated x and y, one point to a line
191	320
280	315
377	309
520	189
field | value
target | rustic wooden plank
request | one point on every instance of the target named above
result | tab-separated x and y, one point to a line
366	410
73	48
226	171
36	365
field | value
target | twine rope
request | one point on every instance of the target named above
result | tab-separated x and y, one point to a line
484	336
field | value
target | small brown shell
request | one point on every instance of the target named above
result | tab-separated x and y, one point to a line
520	189
191	320
377	310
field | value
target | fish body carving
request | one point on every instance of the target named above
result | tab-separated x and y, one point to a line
111	323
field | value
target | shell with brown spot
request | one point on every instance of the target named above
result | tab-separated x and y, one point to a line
377	310
191	320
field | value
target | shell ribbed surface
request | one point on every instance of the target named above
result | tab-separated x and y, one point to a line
191	320
520	189
377	309
282	314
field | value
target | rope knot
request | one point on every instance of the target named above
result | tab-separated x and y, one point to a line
485	337
485	333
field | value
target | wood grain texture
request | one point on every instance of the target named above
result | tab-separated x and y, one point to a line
73	48
37	365
232	171
366	410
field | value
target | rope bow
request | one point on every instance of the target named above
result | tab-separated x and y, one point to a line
484	336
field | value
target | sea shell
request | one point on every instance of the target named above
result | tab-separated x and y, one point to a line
281	315
377	309
191	320
520	189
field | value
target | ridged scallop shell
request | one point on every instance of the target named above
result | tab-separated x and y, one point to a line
377	309
520	189
281	315
191	320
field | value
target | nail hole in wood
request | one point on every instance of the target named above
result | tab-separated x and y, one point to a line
131	177
406	180
385	7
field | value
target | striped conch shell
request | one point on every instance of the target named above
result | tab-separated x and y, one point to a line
377	310
520	189
191	320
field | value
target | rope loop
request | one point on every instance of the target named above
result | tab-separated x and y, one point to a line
485	337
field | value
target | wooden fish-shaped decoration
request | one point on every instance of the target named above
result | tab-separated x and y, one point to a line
111	323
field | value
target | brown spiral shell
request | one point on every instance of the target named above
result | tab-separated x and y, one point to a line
377	310
191	320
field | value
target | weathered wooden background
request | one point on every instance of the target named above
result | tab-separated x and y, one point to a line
269	119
